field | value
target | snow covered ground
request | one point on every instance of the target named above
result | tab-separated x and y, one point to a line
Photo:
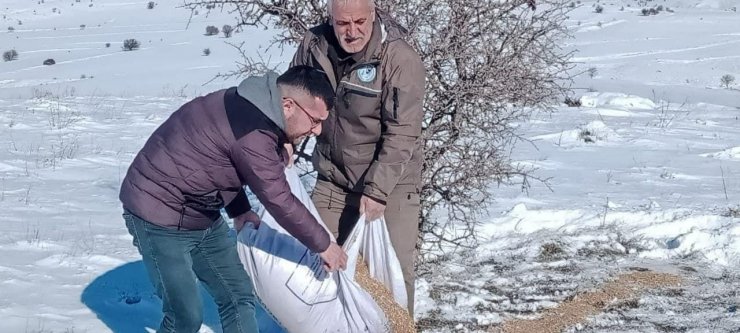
646	173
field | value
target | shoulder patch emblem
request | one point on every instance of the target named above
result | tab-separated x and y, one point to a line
366	73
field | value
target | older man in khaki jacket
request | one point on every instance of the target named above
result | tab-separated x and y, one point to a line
369	155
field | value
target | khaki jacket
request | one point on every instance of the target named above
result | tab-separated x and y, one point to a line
371	141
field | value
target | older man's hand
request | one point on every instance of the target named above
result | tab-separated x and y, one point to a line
372	208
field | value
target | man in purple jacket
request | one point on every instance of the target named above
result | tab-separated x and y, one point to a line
195	164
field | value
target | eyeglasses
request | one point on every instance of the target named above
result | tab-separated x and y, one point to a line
315	122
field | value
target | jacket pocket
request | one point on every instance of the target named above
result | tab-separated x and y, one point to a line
359	154
203	203
360	90
357	94
413	199
207	205
322	163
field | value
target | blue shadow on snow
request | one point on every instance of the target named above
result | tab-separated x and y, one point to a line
124	299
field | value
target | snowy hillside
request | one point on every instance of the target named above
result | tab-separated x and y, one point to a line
85	39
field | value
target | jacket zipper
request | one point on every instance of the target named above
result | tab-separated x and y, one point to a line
182	214
395	103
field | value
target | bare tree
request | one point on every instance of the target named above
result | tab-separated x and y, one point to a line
227	30
727	80
489	64
10	55
592	72
131	44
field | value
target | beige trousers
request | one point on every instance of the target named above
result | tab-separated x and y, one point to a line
340	210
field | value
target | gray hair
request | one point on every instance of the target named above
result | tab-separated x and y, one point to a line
330	4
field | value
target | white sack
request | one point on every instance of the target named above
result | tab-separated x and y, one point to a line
295	288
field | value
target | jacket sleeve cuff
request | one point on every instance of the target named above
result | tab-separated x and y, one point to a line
239	205
321	244
375	194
